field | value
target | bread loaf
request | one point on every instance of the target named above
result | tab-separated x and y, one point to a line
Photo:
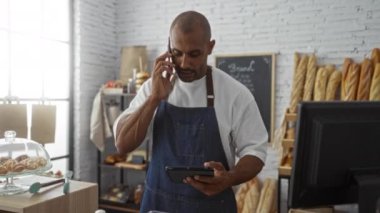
330	68
267	196
366	72
270	203
333	85
352	82
346	66
310	78
240	196
375	56
3	170
262	193
252	197
320	84
298	83
296	61
374	94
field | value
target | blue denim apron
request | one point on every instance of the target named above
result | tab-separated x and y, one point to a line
185	137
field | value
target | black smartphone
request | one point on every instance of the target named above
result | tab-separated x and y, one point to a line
170	50
171	77
178	173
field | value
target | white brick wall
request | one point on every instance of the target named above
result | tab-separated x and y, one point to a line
331	29
95	63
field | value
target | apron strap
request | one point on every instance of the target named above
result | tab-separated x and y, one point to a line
210	88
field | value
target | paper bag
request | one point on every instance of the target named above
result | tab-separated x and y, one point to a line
43	123
13	117
130	59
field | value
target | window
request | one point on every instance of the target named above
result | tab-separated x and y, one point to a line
35	62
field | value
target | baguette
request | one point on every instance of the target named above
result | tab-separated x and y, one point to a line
332	85
270	201
375	56
320	84
346	66
240	195
365	80
330	68
264	189
296	62
267	196
374	94
310	78
352	82
298	82
252	197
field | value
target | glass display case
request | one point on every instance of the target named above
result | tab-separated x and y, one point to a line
20	157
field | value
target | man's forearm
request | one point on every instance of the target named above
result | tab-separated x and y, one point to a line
247	168
131	130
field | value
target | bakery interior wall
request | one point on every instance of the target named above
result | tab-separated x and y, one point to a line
330	29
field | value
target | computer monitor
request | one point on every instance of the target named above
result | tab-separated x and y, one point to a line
336	155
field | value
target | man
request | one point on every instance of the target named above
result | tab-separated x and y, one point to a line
195	115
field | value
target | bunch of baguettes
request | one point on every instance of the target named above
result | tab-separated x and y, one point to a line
322	83
250	198
361	81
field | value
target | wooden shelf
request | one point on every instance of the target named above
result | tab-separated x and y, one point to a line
118	208
126	165
288	143
135	166
284	171
291	117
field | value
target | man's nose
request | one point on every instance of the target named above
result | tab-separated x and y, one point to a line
185	61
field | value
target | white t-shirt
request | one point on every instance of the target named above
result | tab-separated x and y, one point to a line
241	127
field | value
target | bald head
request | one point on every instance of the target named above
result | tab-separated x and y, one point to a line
188	21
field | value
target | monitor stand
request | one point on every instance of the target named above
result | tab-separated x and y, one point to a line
368	191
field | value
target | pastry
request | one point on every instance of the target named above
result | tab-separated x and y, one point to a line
252	197
3	159
365	80
375	56
310	78
298	83
3	170
346	66
9	164
21	157
30	163
320	84
267	197
374	94
240	196
333	85
352	82
18	167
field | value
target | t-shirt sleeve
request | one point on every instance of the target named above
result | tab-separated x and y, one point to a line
249	133
137	101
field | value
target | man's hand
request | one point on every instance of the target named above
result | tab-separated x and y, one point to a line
162	86
212	185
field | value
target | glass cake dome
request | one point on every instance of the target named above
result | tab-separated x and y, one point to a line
18	157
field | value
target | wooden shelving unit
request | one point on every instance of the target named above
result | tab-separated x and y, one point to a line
128	207
287	144
123	101
288	139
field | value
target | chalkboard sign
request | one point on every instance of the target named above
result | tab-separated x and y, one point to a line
256	72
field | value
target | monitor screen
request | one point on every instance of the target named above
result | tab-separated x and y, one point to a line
337	144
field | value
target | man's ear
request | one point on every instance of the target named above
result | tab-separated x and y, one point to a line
211	46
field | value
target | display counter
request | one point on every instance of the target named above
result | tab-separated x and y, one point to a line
82	198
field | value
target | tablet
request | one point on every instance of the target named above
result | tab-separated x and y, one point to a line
178	173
